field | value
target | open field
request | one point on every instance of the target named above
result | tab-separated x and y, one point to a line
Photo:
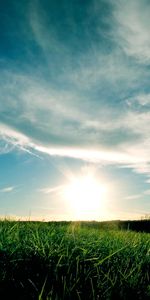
73	261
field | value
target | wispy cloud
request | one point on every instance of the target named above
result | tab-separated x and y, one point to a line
7	189
147	192
14	140
133	27
97	65
148	180
139	99
51	190
133	197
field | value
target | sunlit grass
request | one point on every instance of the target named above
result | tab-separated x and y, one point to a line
69	261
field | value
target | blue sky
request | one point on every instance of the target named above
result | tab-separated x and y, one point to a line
75	99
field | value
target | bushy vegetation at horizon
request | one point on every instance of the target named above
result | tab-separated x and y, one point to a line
72	261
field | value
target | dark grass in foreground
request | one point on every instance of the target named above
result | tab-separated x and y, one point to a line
71	261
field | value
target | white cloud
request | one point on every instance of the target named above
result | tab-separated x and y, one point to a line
51	190
12	139
7	189
137	156
147	192
133	197
6	131
133	28
141	99
90	124
94	156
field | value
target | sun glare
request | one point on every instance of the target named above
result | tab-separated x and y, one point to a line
86	197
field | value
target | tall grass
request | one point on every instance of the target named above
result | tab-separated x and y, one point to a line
70	261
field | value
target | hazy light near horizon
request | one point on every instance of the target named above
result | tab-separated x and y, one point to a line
86	197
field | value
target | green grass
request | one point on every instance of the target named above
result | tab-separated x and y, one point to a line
70	261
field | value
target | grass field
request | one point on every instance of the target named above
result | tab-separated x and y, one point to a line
72	261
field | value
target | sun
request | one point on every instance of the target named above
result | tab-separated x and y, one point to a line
86	197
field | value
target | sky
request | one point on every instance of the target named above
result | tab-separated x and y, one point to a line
74	100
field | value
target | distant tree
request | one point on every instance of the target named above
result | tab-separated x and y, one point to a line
145	217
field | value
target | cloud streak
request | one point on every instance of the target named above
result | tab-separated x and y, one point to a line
52	190
7	189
